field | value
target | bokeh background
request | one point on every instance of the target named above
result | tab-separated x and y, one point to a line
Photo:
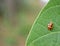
16	19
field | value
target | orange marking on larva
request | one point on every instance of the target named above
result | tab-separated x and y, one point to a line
50	26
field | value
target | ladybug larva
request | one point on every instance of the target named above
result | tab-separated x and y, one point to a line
50	26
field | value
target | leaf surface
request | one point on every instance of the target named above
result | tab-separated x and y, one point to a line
51	12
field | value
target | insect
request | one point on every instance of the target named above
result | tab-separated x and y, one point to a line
50	26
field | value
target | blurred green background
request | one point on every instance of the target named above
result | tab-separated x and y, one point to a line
16	19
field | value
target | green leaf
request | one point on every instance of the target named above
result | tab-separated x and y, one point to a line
52	39
51	12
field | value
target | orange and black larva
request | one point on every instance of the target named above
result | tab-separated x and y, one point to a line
50	26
